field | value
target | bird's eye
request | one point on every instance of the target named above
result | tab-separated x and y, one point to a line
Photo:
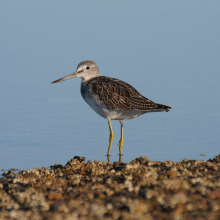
87	67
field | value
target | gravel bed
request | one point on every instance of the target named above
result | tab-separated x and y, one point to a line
141	189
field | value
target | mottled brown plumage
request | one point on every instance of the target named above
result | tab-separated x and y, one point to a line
111	98
118	95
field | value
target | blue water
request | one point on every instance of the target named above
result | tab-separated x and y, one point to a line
168	51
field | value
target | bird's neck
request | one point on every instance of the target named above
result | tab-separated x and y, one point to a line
87	78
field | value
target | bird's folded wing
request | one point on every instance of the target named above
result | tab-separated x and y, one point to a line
119	95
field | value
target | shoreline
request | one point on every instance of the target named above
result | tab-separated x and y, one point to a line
140	189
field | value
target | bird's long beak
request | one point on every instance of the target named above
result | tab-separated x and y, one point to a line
72	75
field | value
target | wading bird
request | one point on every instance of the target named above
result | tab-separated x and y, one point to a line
112	98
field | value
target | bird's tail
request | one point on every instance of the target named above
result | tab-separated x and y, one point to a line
164	108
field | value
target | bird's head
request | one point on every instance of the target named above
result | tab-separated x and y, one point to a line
86	70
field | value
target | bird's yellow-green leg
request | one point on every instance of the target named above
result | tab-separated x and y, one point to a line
121	140
108	157
111	137
120	158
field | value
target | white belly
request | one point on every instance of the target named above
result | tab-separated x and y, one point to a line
105	112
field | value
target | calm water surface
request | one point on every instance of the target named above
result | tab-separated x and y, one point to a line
61	125
168	52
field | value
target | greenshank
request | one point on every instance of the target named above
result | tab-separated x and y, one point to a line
112	98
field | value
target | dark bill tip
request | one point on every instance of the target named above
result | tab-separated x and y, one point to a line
72	75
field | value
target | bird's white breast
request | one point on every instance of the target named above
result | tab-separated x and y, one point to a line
97	105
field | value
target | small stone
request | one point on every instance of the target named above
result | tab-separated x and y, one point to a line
179	197
209	164
201	168
213	195
215	206
109	206
196	180
68	172
30	175
89	164
83	167
61	207
216	159
186	159
171	174
141	160
55	196
8	173
81	159
189	207
82	172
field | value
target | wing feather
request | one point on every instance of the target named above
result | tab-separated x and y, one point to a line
119	95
